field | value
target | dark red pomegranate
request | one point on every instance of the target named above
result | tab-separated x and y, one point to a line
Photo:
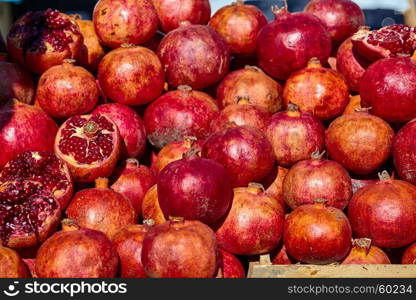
178	114
403	152
363	253
15	83
239	25
387	87
151	208
294	135
290	41
359	183
194	55
42	39
120	22
77	253
130	125
317	234
275	190
229	266
253	85
90	145
360	142
22	128
11	264
281	257
409	255
385	212
131	75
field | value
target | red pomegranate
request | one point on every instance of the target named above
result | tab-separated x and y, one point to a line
151	208
320	91
229	266
178	114
253	85
120	22
102	209
15	83
385	212
294	135
239	25
290	41
77	253
360	142
11	264
359	183
180	249
90	145
131	75
42	39
281	257
130	125
363	253
403	152
409	255
317	234
275	190
22	128
194	55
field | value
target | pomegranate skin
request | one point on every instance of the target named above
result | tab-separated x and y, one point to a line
11	264
403	152
151	208
387	87
180	249
409	255
230	266
194	55
365	255
15	83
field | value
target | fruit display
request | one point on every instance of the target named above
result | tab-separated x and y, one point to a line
163	139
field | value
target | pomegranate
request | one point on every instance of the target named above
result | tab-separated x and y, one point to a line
403	152
15	83
239	25
317	234
294	135
150	207
180	249
31	266
363	253
385	212
22	128
275	190
102	209
42	39
131	75
360	142
253	85
281	257
120	22
290	41
320	91
90	145
359	183
77	253
229	266
353	105
178	114
409	255
194	55
11	264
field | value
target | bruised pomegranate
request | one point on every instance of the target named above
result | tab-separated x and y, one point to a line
150	207
363	253
15	82
42	39
403	152
11	264
229	266
275	190
90	145
409	255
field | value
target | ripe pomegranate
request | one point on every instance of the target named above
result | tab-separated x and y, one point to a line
403	152
387	88
253	85
363	253
15	83
22	128
229	266
385	212
42	39
178	114
275	190
360	142
281	257
11	264
194	55
409	255
120	22
90	145
150	207
294	135
138	69
130	125
180	249
353	105
239	25
172	12
290	41
76	252
244	151
317	234
102	209
320	91
359	183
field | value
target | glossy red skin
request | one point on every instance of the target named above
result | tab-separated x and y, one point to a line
178	114
385	212
151	208
15	83
387	87
244	151
254	224
316	234
130	125
230	266
403	152
295	136
131	75
120	22
288	43
360	256
83	253
194	55
282	258
359	183
23	128
11	264
409	255
172	12
183	249
360	142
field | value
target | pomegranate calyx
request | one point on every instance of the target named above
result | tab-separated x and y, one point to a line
256	188
176	220
185	88
314	63
242	100
254	68
280	11
384	176
132	163
69	61
317	155
320	201
91	128
364	243
101	183
189	141
69	225
149	222
191	153
363	109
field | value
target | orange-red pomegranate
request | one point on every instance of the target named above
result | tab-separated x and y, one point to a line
11	264
15	83
363	253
